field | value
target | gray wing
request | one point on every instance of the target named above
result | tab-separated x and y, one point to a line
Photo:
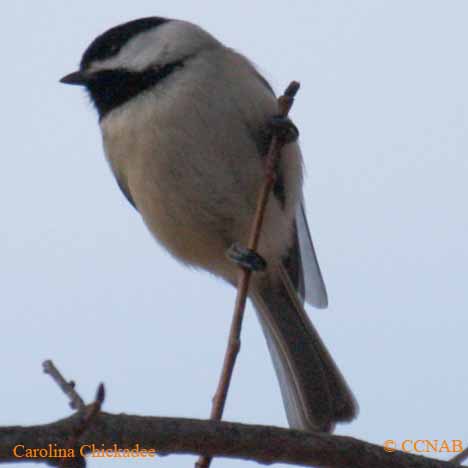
314	286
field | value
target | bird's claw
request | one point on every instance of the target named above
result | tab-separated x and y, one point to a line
284	129
246	258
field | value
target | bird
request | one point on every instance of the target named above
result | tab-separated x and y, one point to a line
186	124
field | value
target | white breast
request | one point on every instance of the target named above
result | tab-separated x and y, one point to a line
191	165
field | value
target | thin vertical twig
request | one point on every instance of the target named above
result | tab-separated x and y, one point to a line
76	402
88	413
285	103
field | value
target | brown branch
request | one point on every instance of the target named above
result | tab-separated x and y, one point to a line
76	402
87	414
285	103
460	458
222	439
88	417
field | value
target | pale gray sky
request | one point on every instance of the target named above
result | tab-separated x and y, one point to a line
383	119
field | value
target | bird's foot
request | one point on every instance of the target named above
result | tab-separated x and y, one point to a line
246	258
284	129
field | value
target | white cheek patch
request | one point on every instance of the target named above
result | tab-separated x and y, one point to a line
167	43
136	55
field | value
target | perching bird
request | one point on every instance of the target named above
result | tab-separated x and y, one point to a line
186	123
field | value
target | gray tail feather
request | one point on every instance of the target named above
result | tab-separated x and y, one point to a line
314	392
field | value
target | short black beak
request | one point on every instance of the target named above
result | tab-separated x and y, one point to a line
75	78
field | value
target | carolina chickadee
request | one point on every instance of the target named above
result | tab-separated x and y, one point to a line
185	126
